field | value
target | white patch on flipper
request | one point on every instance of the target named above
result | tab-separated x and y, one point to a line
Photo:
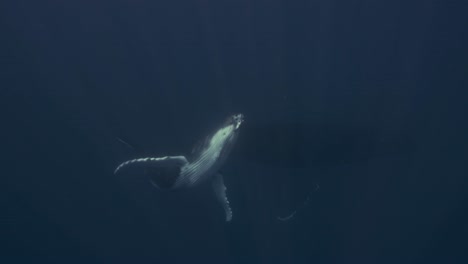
220	192
177	159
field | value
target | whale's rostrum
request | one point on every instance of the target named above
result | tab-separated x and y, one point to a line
179	172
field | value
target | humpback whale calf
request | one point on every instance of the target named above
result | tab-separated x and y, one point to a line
179	172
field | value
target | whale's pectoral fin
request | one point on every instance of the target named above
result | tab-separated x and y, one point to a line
162	172
220	192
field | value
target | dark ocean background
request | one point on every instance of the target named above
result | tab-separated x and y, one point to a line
366	99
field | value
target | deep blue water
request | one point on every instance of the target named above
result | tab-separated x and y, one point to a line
366	99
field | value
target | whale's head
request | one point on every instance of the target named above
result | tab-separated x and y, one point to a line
233	123
236	120
227	133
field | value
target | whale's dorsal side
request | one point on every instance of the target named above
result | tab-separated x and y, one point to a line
176	172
